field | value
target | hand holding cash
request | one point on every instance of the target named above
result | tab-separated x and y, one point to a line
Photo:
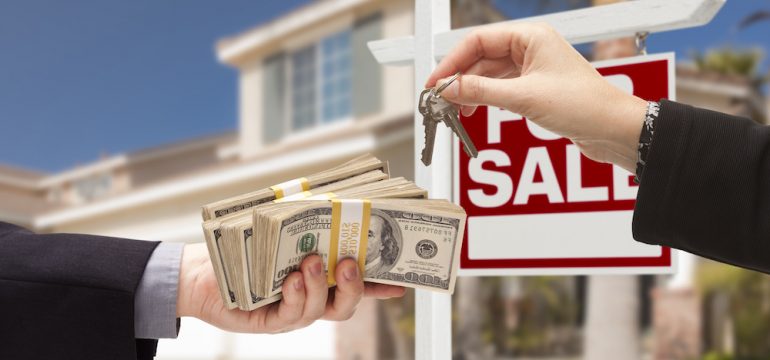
306	296
383	227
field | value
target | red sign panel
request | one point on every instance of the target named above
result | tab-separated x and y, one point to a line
537	206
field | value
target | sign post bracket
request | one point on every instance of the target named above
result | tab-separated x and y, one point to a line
623	19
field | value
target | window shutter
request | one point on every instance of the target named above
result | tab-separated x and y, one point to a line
367	73
273	98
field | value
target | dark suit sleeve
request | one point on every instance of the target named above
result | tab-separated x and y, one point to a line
706	187
68	296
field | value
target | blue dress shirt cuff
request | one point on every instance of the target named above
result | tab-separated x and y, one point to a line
155	298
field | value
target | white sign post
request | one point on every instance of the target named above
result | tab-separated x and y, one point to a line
433	39
433	311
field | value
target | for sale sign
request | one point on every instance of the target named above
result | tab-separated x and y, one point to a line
536	205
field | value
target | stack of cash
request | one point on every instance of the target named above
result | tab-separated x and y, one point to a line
340	177
355	210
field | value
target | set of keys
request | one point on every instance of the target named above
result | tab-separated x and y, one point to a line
435	109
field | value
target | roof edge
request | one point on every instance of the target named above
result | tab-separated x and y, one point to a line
230	49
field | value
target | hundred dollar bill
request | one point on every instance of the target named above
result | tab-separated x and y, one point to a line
411	243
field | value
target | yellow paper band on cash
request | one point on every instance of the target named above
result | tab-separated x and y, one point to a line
290	187
350	233
306	195
324	196
294	197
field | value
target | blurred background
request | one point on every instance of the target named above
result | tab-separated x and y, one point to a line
123	118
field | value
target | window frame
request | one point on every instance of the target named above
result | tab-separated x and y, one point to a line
92	187
289	88
319	124
323	77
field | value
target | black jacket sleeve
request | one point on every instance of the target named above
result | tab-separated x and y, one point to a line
68	296
706	187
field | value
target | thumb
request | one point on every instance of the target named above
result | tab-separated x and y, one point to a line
481	90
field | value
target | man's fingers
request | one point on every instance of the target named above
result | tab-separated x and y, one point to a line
316	289
383	291
349	291
289	311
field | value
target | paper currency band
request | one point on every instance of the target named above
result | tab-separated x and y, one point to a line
350	233
290	187
294	197
306	195
324	196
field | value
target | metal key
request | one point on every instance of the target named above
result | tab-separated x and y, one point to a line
429	123
448	113
435	109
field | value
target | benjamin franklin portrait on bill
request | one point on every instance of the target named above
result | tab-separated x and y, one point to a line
384	244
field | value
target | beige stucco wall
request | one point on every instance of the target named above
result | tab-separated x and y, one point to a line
250	107
178	218
707	100
398	98
149	171
22	191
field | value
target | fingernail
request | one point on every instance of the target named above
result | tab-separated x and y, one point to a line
451	91
316	269
351	273
298	284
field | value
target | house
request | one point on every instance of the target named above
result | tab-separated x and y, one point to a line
310	96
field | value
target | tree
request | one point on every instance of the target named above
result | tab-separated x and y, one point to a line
728	61
747	295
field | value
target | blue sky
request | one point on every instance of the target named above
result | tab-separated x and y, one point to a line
83	78
89	77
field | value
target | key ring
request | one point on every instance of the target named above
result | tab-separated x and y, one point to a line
446	84
423	109
641	42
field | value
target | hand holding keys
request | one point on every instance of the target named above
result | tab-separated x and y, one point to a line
435	109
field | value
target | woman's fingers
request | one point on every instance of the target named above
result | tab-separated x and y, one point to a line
501	68
479	90
483	58
347	294
488	42
494	68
